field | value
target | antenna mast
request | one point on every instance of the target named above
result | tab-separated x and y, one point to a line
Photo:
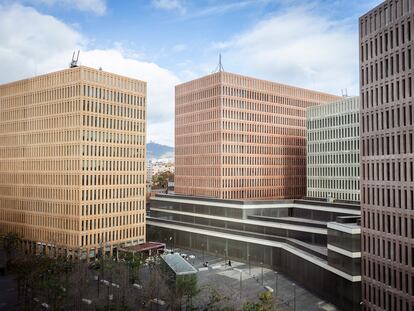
219	67
74	62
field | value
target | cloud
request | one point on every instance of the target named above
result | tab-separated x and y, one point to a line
160	81
170	5
97	7
43	44
297	47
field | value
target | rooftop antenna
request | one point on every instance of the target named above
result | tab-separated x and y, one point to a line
219	67
74	62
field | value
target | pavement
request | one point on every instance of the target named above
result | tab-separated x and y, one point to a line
254	280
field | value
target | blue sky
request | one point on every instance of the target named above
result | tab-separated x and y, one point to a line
312	44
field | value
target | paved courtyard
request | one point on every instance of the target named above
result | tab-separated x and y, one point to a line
226	280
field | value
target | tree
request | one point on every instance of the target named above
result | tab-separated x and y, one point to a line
11	242
186	285
215	300
265	303
161	180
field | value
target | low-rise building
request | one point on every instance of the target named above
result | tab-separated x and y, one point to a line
316	243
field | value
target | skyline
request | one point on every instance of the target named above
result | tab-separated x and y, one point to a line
161	42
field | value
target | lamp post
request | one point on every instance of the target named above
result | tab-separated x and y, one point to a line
294	297
241	284
172	247
276	281
261	263
248	258
202	249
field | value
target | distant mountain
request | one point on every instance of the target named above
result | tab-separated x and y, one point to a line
158	151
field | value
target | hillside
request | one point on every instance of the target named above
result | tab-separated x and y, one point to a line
158	151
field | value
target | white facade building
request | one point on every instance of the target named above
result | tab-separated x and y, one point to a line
333	150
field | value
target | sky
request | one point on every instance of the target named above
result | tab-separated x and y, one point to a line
305	43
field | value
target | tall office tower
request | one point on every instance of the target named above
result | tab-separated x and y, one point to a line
387	184
241	138
333	150
72	161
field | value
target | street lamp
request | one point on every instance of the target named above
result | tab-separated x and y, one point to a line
202	249
276	281
261	263
248	258
241	272
294	297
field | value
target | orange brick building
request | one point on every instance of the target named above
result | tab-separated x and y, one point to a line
238	137
72	161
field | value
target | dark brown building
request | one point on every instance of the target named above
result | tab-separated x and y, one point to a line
387	196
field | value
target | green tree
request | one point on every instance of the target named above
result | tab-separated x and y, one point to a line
186	285
161	180
265	303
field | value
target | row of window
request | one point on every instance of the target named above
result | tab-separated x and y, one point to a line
276	173
287	192
387	299
94	165
387	68
387	93
390	170
116	138
331	184
40	165
386	14
100	238
117	206
262	160
324	158
393	144
110	222
112	96
386	41
339	194
44	179
114	110
112	193
38	151
128	154
334	147
280	107
293	179
332	170
20	101
262	127
32	233
387	119
112	180
111	80
49	221
58	207
333	133
391	223
34	192
387	197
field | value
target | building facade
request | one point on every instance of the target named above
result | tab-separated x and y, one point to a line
72	161
241	138
333	157
387	168
315	243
